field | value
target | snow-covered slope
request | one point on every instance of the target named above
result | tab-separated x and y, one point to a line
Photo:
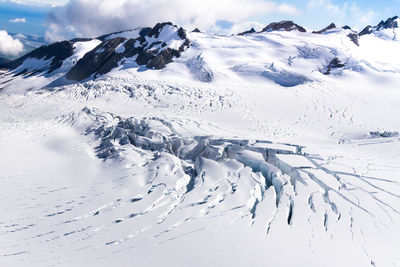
276	148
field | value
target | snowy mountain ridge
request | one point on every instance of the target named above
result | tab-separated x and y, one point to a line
390	24
155	48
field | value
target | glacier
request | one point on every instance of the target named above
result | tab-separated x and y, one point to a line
271	148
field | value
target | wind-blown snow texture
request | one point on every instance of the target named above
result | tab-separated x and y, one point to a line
277	148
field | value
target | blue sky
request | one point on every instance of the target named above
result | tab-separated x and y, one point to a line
313	14
319	13
34	15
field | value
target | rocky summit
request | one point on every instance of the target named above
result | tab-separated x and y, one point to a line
283	26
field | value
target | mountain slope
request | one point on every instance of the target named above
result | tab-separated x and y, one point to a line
3	60
80	59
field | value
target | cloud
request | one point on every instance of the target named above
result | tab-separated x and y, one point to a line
347	12
93	18
18	20
245	26
9	46
325	4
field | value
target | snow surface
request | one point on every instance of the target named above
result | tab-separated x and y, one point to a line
224	158
132	34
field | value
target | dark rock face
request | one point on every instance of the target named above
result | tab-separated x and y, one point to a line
100	60
390	23
384	134
3	61
158	62
283	25
330	27
334	64
367	30
252	30
182	34
153	55
196	30
145	31
58	51
354	38
76	40
144	57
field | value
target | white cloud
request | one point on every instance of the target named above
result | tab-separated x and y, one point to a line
93	18
364	17
18	20
245	26
347	12
9	46
287	9
325	4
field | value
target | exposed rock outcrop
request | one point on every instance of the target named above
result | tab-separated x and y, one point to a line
334	64
3	61
252	30
354	38
390	23
100	60
367	30
153	49
329	27
285	25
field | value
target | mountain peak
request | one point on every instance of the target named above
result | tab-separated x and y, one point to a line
390	23
252	30
286	25
329	27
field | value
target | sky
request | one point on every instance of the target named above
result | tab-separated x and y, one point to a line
63	19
